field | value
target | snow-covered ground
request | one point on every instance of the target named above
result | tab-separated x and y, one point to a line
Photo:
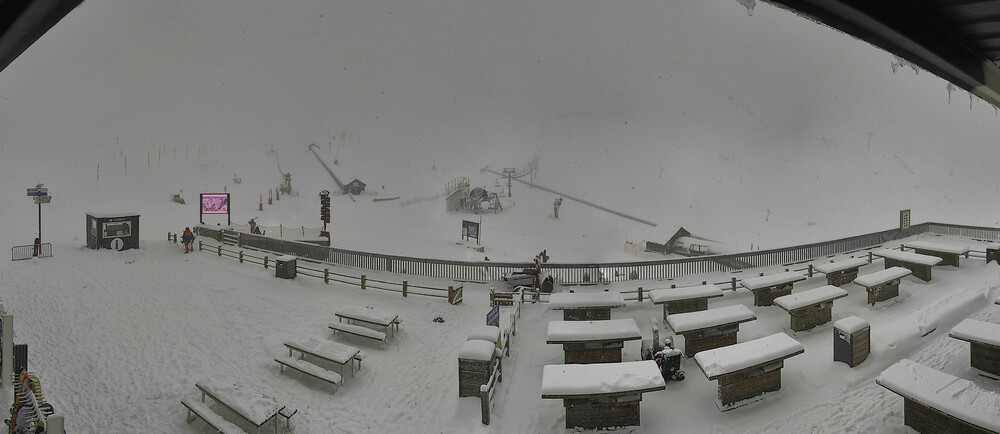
763	131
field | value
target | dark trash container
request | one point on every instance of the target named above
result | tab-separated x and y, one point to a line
851	340
284	267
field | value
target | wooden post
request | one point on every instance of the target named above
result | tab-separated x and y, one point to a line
199	246
265	262
220	250
326	276
404	288
734	283
810	270
640	294
869	257
484	399
241	256
363	281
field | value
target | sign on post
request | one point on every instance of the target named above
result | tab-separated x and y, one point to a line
38	191
470	230
904	220
493	317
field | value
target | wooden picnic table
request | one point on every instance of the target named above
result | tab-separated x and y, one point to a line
686	299
882	285
841	272
919	264
253	406
601	395
387	320
708	329
938	402
593	341
984	343
586	306
748	369
810	308
949	254
766	288
328	350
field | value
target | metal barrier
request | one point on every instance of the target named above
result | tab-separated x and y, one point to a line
591	273
20	253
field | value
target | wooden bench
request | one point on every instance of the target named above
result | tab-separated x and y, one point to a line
200	409
841	272
984	344
683	300
882	285
586	306
327	350
307	368
938	402
254	407
949	254
766	288
388	321
361	331
748	369
601	395
708	329
919	264
593	341
810	308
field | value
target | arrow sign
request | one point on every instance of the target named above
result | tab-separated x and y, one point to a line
38	191
43	199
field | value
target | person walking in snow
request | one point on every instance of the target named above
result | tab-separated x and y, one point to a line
555	207
188	239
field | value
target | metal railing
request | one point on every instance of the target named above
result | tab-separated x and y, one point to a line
485	271
20	253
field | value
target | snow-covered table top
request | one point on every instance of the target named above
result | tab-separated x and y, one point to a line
761	282
562	332
253	406
485	333
285	258
365	314
809	297
833	267
660	296
851	324
477	350
935	247
583	300
944	392
972	330
685	322
726	360
325	349
915	258
882	276
600	379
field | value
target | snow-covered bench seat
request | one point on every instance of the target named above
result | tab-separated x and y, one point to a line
884	284
749	369
586	306
984	343
841	272
307	368
358	330
200	409
810	308
254	407
949	254
593	341
327	350
708	329
601	395
387	320
920	265
683	300
938	402
766	288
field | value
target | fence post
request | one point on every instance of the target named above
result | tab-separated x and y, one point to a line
640	294
404	288
484	399
810	270
363	281
326	276
734	284
199	246
869	257
265	262
220	250
241	256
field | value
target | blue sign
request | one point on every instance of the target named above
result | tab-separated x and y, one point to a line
493	318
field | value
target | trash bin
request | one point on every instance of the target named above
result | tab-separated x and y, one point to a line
851	340
284	267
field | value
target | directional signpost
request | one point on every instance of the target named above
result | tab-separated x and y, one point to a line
41	195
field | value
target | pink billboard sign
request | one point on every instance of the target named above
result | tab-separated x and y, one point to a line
215	203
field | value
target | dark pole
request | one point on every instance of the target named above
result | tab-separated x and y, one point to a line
508	185
39	223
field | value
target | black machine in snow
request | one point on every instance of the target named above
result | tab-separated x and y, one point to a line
667	358
479	196
532	277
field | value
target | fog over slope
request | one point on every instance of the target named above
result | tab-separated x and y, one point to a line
765	130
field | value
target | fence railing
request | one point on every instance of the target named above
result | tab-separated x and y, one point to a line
20	253
452	293
486	391
593	273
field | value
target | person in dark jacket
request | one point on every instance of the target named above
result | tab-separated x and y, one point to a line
188	239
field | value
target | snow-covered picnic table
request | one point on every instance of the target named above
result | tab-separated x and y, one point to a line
748	369
841	272
601	395
766	288
919	264
810	308
984	343
708	329
935	401
387	320
686	299
328	350
586	306
251	405
949	254
883	284
593	341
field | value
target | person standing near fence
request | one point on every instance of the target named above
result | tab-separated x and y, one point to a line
555	207
188	240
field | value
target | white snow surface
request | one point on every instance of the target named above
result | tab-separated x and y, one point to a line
583	331
851	324
916	258
485	332
601	378
882	276
579	300
660	296
809	297
772	280
726	360
683	322
476	349
936	247
845	264
944	392
975	330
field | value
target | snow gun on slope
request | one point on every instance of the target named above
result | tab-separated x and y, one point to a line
29	413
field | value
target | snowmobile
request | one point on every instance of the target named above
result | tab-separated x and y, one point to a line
668	359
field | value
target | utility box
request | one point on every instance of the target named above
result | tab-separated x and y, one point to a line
851	340
284	267
115	231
